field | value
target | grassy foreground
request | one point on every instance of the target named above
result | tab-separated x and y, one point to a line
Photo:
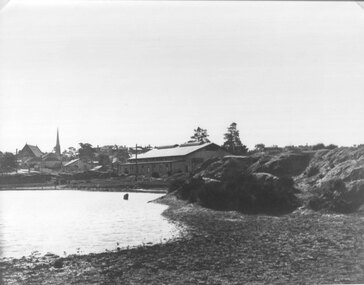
218	248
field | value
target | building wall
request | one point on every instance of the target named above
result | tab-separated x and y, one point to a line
160	167
25	154
170	165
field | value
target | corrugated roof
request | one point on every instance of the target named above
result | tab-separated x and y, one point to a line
169	152
96	168
72	162
150	162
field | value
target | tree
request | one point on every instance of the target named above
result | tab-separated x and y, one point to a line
318	146
200	135
331	146
232	141
122	153
104	159
70	153
86	152
7	162
260	147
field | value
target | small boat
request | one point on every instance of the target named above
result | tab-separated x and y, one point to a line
126	196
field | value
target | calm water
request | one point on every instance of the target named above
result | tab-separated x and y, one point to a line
67	222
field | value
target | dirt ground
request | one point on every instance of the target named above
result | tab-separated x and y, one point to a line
303	247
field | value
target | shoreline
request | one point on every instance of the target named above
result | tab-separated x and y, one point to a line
89	189
217	248
98	188
112	184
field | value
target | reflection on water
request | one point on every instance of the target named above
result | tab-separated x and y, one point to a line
67	222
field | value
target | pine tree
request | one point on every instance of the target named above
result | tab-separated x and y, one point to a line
232	141
200	135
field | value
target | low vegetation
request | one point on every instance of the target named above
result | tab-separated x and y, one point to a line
25	179
236	190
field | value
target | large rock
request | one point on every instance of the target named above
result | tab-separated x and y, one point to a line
285	164
263	183
264	178
333	195
345	163
223	168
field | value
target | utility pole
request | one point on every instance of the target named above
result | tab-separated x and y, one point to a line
16	161
136	162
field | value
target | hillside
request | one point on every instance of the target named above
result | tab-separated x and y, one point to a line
345	163
331	180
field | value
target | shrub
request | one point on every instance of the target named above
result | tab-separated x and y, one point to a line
23	179
58	263
176	181
241	192
318	146
331	146
189	190
155	174
312	171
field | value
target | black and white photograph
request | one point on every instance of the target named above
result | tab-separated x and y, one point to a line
181	142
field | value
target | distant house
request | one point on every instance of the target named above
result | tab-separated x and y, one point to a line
30	155
172	159
76	165
30	151
51	160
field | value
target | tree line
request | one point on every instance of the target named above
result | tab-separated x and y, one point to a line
104	155
232	142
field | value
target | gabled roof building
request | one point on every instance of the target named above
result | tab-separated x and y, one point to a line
171	159
30	151
32	156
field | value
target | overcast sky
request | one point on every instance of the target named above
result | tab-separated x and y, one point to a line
118	72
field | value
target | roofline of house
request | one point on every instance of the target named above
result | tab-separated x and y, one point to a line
181	155
150	162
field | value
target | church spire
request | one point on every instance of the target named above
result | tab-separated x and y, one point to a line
58	147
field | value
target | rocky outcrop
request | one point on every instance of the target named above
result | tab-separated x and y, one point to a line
345	163
335	196
267	183
285	164
221	168
334	178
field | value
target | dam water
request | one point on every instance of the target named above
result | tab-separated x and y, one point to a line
67	222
